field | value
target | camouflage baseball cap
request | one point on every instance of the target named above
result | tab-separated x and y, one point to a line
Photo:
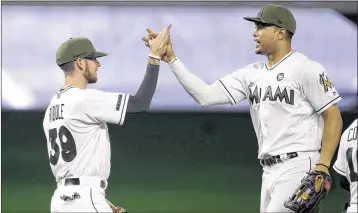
75	48
275	15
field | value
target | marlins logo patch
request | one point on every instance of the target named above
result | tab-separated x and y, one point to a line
280	76
325	82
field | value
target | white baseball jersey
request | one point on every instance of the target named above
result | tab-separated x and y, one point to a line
285	102
75	126
346	163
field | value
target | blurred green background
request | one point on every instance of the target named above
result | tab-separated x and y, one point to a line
161	162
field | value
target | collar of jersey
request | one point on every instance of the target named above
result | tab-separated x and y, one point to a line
282	59
65	89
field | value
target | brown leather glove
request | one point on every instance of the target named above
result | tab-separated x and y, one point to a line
116	209
312	191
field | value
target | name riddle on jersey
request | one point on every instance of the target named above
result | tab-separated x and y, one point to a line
352	134
56	112
255	96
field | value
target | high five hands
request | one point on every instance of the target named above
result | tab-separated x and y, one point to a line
160	44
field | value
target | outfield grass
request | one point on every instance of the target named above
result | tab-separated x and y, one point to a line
161	163
208	188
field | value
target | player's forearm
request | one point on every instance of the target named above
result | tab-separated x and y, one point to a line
202	93
141	101
331	134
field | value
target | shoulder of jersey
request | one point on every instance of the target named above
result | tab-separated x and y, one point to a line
255	66
306	64
92	91
75	92
301	59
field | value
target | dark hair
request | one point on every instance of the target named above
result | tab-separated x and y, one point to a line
68	67
289	35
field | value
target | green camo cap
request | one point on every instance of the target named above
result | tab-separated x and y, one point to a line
75	48
275	15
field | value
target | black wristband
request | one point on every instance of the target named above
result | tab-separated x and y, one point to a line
321	164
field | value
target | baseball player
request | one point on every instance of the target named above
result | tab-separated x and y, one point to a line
293	105
75	125
346	164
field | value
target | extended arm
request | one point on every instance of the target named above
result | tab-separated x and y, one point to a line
140	102
229	89
203	93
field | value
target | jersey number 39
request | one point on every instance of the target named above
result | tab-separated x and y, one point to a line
67	144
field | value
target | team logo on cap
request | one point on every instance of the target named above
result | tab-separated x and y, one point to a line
280	76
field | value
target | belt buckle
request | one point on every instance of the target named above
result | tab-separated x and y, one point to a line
292	155
71	181
267	162
272	160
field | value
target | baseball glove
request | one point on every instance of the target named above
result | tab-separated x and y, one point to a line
313	189
116	209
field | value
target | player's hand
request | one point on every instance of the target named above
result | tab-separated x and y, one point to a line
169	53
159	44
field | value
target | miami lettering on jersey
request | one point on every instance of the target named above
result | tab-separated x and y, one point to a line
281	95
296	90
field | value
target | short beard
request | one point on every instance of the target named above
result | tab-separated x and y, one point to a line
90	79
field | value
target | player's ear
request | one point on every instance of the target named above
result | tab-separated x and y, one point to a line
281	33
80	64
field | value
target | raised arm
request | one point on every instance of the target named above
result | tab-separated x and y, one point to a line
203	93
141	101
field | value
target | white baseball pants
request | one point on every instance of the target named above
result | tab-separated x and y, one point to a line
87	197
352	208
280	180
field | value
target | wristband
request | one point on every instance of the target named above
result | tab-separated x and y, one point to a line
321	164
154	56
172	61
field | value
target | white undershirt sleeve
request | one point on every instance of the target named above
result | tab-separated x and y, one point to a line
202	93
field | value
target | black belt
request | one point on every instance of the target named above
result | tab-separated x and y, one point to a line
77	182
277	159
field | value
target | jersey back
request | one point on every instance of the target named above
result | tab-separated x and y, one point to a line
75	125
346	163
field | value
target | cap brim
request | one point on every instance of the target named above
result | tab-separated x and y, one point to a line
100	54
254	19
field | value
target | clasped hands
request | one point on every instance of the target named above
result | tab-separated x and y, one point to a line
160	44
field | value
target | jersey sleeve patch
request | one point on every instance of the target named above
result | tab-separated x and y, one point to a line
122	106
325	82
